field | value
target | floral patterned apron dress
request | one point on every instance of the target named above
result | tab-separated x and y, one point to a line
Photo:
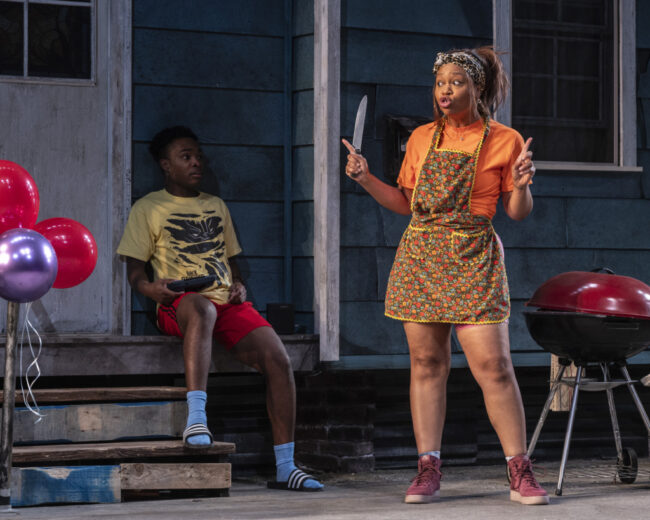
449	264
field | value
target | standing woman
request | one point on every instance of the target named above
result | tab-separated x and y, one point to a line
449	268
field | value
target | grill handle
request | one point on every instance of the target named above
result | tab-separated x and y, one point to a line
602	270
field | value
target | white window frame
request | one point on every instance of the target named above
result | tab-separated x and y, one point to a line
25	78
624	87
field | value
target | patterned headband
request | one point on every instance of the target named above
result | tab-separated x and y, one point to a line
470	64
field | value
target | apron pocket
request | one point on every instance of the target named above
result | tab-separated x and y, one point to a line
416	243
472	248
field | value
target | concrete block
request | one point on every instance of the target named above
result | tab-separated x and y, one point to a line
264	280
464	18
360	221
303	17
622	185
303	173
393	58
544	227
216	116
259	227
303	284
225	61
303	118
243	17
608	224
303	62
303	229
365	330
358	274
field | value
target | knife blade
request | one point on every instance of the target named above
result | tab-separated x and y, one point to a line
359	123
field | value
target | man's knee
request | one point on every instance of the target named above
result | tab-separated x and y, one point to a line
195	309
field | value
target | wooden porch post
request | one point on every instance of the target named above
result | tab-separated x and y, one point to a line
327	75
7	428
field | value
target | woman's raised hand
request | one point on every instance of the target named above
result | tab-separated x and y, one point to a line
523	169
357	166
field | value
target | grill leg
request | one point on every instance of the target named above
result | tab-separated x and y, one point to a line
547	407
635	397
612	412
569	430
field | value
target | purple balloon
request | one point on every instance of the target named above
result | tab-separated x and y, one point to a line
28	265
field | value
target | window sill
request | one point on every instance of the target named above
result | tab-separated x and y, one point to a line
549	166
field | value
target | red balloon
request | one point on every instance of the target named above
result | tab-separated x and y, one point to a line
19	199
75	248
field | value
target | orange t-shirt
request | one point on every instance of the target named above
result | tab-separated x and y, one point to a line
493	171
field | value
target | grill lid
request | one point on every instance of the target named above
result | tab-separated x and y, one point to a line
594	293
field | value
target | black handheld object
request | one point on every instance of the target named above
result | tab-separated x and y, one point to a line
191	284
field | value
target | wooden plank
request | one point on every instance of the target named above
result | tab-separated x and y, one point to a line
327	75
100	422
113	451
141	476
562	398
96	394
58	485
112	355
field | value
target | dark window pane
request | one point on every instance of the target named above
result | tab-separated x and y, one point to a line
542	10
563	79
589	12
59	41
532	97
579	58
578	100
534	55
11	39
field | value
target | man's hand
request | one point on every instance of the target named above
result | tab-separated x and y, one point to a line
237	293
158	291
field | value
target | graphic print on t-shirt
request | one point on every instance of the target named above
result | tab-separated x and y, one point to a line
198	240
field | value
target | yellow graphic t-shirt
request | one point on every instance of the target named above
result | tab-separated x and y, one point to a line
183	237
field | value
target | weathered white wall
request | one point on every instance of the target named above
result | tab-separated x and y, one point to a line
72	140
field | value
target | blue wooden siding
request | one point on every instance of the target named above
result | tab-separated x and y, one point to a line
387	52
218	67
219	70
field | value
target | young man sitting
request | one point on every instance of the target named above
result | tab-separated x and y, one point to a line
186	233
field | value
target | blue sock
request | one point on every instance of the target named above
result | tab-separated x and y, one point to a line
285	465
196	414
435	454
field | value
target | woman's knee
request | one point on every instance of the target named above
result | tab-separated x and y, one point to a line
495	370
430	364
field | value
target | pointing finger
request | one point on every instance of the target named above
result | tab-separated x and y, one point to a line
349	146
524	151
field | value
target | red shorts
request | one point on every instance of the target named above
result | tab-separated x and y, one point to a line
234	321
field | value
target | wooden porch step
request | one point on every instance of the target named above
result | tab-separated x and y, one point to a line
122	451
98	395
105	354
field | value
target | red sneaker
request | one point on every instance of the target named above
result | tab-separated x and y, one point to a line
426	485
523	486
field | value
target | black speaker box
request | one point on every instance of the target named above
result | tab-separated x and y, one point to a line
281	317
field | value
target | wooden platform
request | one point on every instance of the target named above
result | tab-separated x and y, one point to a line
137	450
102	354
99	395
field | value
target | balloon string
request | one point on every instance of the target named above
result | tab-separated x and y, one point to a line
27	325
